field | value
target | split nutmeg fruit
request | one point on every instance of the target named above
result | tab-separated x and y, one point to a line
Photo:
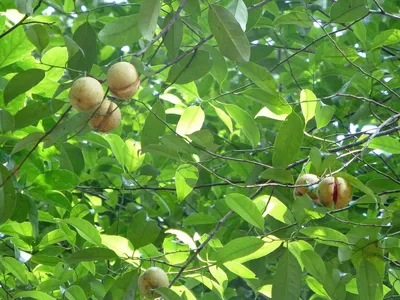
86	94
307	179
152	278
107	117
336	191
123	80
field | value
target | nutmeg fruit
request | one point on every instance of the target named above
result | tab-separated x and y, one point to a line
123	80
310	190
107	117
335	191
152	278
86	94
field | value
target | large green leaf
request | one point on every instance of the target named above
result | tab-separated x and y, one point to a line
288	141
120	32
147	19
314	264
153	128
229	35
57	180
369	282
16	268
308	103
246	122
260	76
245	208
297	16
326	236
192	67
85	229
33	294
245	249
348	10
14	47
191	120
186	177
388	37
385	143
8	199
142	231
287	280
239	10
7	122
91	254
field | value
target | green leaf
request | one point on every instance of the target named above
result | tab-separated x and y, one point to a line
35	111
271	206
239	10
386	38
167	293
288	141
314	264
133	158
72	46
296	17
245	208
240	270
38	35
33	294
24	6
86	38
6	121
15	267
344	11
21	83
287	280
71	158
174	36
248	248
260	76
27	142
327	236
8	199
91	254
147	19
191	120
230	37
219	69
85	229
52	237
142	231
361	32
117	146
123	31
14	47
369	282
120	245
385	143
323	114
246	122
308	103
224	117
57	180
186	177
75	292
191	68
153	128
278	175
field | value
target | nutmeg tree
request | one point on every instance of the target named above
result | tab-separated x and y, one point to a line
199	149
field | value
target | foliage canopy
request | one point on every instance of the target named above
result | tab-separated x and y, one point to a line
238	99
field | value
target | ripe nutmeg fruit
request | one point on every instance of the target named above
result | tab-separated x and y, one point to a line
86	94
152	278
310	189
336	191
123	80
107	117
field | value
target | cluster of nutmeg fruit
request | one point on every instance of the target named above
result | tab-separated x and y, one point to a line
87	95
334	191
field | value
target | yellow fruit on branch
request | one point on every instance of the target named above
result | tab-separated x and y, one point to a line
123	80
152	278
86	94
335	191
310	181
107	117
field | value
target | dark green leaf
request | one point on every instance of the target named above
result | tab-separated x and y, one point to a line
343	11
57	180
288	141
142	231
369	282
6	121
287	280
21	83
91	254
246	209
153	128
38	35
85	230
148	15
260	76
123	31
7	195
229	35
